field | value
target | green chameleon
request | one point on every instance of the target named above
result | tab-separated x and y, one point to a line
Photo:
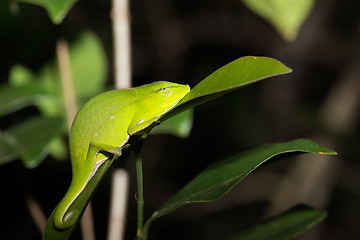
101	129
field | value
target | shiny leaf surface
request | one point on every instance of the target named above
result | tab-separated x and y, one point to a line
284	226
237	74
216	180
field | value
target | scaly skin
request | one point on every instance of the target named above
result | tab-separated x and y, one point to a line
104	125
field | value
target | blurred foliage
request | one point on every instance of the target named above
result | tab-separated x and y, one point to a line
29	140
57	9
218	179
179	125
283	227
286	16
183	41
43	90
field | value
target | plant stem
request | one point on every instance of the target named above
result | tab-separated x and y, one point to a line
87	224
117	216
122	73
140	189
62	52
36	213
122	47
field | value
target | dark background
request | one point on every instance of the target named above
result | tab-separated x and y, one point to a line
184	41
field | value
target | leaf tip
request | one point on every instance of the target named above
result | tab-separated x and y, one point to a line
328	152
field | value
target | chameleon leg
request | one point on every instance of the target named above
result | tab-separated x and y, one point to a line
99	150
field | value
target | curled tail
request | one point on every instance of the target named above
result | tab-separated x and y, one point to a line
68	212
67	220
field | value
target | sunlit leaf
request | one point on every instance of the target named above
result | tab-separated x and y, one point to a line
286	16
237	74
216	180
57	9
284	226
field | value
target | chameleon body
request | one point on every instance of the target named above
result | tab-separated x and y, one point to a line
103	126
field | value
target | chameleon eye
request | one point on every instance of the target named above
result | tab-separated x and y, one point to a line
165	89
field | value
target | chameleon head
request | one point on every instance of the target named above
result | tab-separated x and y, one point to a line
153	101
167	94
157	98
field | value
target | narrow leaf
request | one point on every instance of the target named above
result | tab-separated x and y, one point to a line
239	73
30	140
284	226
216	180
286	16
56	9
13	98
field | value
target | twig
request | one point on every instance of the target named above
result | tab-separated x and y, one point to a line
87	224
36	213
63	57
140	188
117	216
62	50
122	48
122	73
140	196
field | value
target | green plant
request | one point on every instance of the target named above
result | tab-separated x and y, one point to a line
44	90
41	90
218	179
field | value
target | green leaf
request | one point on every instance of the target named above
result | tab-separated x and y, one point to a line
88	65
7	152
29	140
57	9
286	16
216	180
47	82
283	227
239	73
44	90
89	70
80	203
13	98
58	148
20	75
179	125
